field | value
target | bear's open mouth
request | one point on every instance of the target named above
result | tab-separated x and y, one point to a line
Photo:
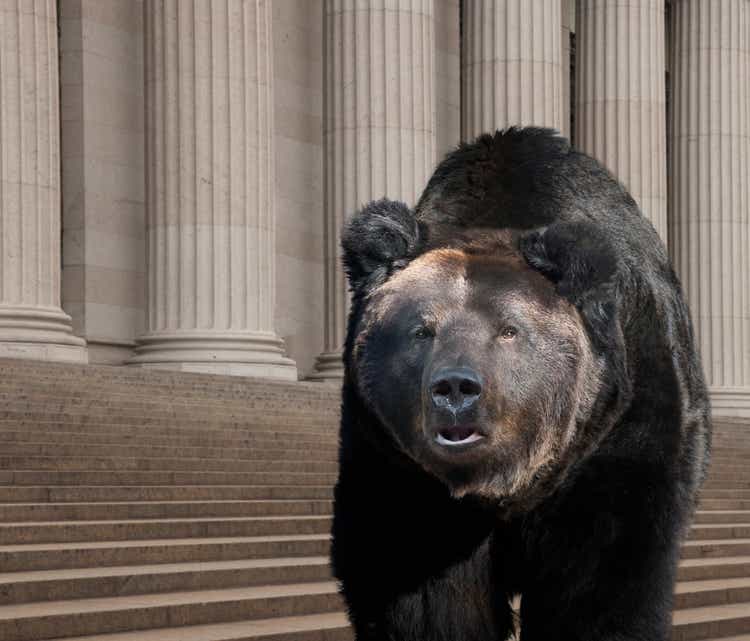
458	435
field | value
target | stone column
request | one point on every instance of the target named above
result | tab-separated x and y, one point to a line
621	97
710	187
567	11
210	190
379	127
32	323
511	67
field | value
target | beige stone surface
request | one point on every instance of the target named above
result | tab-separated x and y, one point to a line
32	322
511	65
103	171
298	105
378	128
621	97
447	75
567	20
709	234
210	195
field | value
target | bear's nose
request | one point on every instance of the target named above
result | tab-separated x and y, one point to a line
455	388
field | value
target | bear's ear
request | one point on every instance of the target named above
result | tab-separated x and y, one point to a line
383	236
582	263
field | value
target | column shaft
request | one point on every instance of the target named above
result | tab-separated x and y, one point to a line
565	29
621	96
710	187
379	127
210	189
511	71
32	323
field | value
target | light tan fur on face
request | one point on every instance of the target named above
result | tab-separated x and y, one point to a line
442	270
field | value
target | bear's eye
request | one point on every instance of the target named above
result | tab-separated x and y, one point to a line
423	332
508	332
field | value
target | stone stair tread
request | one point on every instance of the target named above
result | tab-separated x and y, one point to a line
711	613
160	542
155	458
712	584
724	560
49	492
701	542
235	631
741	513
61	422
176	502
80	606
161	568
206	519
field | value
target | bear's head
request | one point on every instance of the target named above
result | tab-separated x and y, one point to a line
490	360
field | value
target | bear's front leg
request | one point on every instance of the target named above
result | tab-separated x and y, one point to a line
609	609
603	565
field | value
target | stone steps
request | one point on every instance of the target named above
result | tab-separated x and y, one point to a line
703	516
56	619
133	477
143	464
180	444
11	494
160	509
706	569
705	531
83	583
697	594
138	530
87	554
162	506
144	405
251	427
117	398
264	451
719	493
209	421
713	548
84	378
316	627
711	622
725	504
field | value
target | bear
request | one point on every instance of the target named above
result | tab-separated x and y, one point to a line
524	413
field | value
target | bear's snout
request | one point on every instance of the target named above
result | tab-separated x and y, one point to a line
454	393
455	389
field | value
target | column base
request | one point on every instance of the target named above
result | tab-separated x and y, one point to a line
254	354
329	368
39	333
730	401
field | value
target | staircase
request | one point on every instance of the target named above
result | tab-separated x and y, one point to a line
159	506
144	505
712	598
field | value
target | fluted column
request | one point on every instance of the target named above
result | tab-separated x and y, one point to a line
379	127
511	71
621	97
209	189
32	323
710	187
565	28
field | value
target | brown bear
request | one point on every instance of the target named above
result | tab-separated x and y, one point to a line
523	411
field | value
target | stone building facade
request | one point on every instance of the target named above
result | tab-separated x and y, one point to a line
174	173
